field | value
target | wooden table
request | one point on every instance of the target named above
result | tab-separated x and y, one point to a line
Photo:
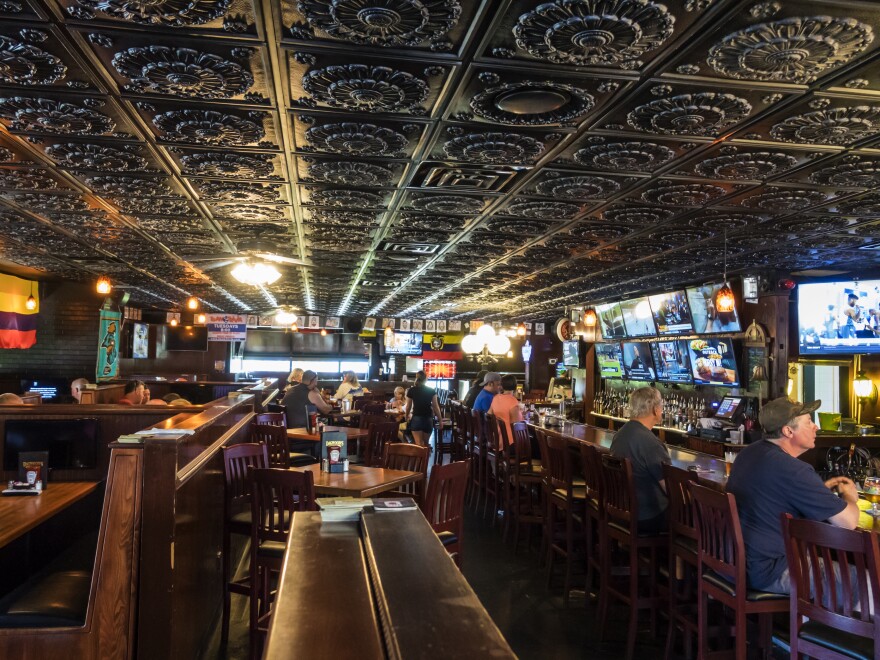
359	481
303	434
19	514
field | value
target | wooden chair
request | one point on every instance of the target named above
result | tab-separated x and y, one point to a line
271	419
373	409
566	496
525	495
380	434
683	559
275	495
443	505
495	469
414	458
448	441
591	466
722	568
834	616
237	515
477	448
275	439
358	403
621	528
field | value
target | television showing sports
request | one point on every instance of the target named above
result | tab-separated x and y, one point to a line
706	318
637	318
672	361
672	313
611	321
638	364
187	338
713	361
571	354
608	357
405	343
839	317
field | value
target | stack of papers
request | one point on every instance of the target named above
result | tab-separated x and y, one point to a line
342	509
397	504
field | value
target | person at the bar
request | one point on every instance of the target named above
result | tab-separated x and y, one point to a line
475	389
768	479
302	395
491	386
647	453
505	406
135	393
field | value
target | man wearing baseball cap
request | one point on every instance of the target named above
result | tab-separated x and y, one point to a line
491	386
768	480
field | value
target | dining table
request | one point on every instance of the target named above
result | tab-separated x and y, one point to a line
302	434
20	514
359	481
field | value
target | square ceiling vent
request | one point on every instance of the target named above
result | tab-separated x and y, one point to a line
457	177
409	248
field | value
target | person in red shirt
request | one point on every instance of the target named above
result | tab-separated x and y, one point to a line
135	394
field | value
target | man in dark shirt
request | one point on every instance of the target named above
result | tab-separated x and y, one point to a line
768	480
491	386
474	390
647	454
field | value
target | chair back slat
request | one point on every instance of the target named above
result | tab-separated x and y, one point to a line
619	493
275	439
236	461
367	420
522	444
719	536
413	458
493	435
591	464
444	502
373	409
559	468
478	428
380	434
541	436
271	419
843	599
681	510
275	495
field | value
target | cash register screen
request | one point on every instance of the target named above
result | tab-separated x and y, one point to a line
728	407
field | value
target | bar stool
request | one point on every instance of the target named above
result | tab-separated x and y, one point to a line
496	456
591	465
275	439
622	527
445	442
443	505
477	456
722	569
526	477
413	458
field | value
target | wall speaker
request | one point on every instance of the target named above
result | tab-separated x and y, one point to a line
354	325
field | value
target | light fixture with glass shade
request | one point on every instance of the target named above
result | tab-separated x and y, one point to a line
284	317
200	319
103	285
31	302
865	391
256	274
485	345
192	303
724	300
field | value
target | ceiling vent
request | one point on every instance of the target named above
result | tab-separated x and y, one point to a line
457	177
410	248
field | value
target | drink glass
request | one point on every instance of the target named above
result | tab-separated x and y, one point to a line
871	491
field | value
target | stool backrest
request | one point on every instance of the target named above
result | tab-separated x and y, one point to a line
681	510
619	492
522	443
358	402
271	418
493	435
443	505
413	458
541	436
236	461
373	409
843	601
719	535
560	469
380	434
478	428
275	439
275	495
591	464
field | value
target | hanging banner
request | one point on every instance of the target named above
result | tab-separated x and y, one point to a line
108	345
227	327
18	324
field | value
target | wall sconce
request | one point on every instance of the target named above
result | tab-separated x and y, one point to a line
173	323
590	318
323	332
865	391
103	285
201	318
192	303
521	330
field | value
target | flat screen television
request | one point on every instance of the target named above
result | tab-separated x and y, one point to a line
637	318
51	389
672	313
72	443
839	317
187	338
707	320
713	361
638	364
140	341
608	358
672	361
611	321
405	343
571	353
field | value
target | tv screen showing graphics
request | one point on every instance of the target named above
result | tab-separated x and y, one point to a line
672	313
713	361
608	357
187	338
671	360
708	320
571	353
611	321
637	361
637	318
839	317
405	343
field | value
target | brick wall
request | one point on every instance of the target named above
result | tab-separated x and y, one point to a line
67	336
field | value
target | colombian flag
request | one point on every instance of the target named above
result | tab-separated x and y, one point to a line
18	324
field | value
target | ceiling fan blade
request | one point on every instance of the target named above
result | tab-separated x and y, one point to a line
289	261
218	263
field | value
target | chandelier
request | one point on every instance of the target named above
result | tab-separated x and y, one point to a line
257	274
486	346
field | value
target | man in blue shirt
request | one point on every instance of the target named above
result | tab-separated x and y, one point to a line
491	386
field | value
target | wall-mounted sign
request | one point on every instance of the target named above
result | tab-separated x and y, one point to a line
226	327
108	345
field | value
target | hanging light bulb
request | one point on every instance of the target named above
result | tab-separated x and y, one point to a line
200	319
323	332
192	303
31	302
590	317
294	327
521	330
103	285
510	354
388	335
724	300
283	317
173	323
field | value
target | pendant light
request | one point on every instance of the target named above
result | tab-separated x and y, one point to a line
724	300
31	302
192	303
103	285
590	317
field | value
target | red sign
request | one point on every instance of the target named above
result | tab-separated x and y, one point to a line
439	369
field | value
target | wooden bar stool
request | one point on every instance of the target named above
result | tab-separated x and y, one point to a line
478	456
525	494
443	505
275	439
496	456
591	465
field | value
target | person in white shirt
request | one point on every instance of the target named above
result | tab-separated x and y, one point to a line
350	387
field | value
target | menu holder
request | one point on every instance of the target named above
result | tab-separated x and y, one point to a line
334	451
33	469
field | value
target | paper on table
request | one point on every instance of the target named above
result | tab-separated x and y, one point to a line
166	432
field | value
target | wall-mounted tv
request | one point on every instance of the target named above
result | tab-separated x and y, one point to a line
611	321
839	317
672	361
405	343
708	320
638	364
608	357
637	318
713	361
672	313
571	353
186	338
50	389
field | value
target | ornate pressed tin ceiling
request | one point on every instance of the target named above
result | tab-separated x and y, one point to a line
519	155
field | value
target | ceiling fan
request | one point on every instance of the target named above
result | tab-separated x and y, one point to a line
247	250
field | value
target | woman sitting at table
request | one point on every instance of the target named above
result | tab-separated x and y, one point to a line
350	386
302	395
294	379
505	406
398	401
421	408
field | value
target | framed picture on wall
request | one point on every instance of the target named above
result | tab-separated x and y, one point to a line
405	325
430	325
441	326
418	325
370	324
455	326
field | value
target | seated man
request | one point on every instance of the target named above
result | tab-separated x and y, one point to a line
135	393
491	386
302	395
76	388
647	453
768	480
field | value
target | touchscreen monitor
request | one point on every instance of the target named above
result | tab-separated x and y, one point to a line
729	407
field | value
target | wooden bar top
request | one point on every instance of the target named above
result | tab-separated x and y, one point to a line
427	608
359	481
324	607
19	514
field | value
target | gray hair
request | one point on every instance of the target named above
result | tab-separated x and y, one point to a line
643	401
